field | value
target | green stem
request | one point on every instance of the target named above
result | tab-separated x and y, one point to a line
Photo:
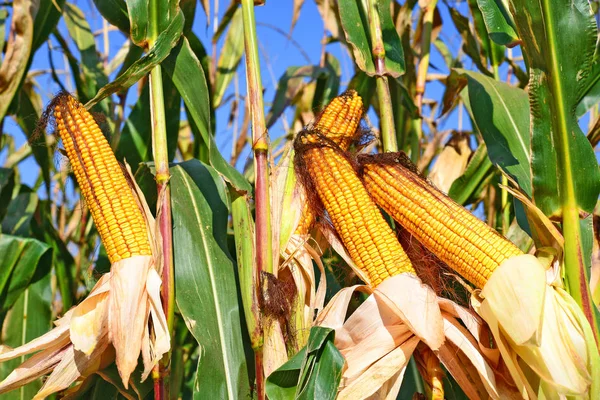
576	271
259	140
263	232
161	161
386	114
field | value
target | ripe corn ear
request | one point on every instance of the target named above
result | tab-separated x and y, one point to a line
115	211
461	240
338	122
368	238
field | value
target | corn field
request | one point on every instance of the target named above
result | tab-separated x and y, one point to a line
328	199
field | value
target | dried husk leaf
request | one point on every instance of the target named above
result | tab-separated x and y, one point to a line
37	365
451	163
89	322
372	381
128	308
161	343
379	337
56	335
274	350
73	365
416	304
534	322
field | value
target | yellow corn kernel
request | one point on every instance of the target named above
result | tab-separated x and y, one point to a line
458	238
368	238
338	122
115	211
340	119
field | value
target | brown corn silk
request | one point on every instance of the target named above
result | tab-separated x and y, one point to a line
464	242
115	211
370	241
339	122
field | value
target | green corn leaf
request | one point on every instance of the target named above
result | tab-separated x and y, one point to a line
313	373
559	41
22	262
182	64
29	318
205	285
498	22
355	22
501	113
161	49
231	55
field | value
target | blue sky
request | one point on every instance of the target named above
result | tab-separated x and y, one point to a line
277	54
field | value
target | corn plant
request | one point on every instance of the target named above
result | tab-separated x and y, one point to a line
408	210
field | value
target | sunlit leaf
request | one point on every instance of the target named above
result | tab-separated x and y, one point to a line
161	49
48	15
205	280
243	224
313	373
296	13
93	76
328	83
565	174
591	93
226	20
231	55
180	66
288	87
490	49
471	45
138	21
501	113
356	27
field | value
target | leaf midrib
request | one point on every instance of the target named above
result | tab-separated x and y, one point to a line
213	289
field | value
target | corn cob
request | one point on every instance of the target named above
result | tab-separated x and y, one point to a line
115	211
366	235
461	240
338	122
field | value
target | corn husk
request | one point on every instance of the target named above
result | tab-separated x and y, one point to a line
378	339
296	251
111	324
542	335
